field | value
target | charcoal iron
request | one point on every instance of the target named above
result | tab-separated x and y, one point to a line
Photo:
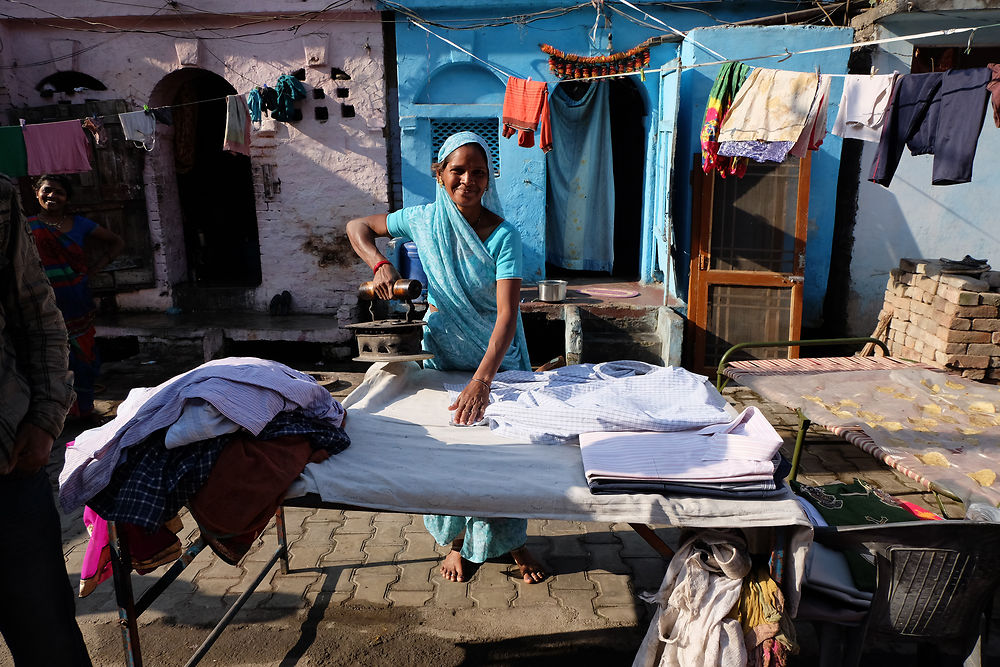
390	339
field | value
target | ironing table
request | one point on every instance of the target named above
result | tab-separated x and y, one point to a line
935	427
406	457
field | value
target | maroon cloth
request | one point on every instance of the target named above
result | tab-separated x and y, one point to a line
244	489
994	87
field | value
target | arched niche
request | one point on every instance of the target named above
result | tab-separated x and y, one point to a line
462	83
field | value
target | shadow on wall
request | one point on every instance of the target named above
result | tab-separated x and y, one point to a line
881	237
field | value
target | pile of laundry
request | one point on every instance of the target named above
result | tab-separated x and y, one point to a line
641	428
766	115
225	439
716	607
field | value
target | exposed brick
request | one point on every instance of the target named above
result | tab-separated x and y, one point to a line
996	338
928	285
964	336
965	283
968	361
987	349
989	299
951	321
986	324
976	311
974	374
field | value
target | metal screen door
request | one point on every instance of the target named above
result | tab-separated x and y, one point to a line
747	260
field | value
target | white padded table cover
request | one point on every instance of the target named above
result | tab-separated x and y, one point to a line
406	457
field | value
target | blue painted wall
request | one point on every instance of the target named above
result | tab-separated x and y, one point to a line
437	81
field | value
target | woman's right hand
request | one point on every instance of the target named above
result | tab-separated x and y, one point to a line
385	278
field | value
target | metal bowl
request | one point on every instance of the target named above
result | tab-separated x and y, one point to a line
552	290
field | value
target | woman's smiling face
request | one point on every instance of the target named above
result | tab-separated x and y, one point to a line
465	175
52	196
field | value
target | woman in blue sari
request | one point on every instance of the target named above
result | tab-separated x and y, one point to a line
472	258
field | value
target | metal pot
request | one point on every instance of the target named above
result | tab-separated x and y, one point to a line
552	290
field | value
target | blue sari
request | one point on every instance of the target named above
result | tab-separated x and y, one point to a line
461	283
461	278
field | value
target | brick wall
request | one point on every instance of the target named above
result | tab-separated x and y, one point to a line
950	321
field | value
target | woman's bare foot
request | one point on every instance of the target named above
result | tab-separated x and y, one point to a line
531	570
451	568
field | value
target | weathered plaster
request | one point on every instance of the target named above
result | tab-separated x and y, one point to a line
330	171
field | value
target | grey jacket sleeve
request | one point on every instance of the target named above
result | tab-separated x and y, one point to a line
36	324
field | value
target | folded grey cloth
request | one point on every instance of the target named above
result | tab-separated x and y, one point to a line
966	265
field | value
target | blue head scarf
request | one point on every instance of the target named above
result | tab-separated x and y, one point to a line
461	277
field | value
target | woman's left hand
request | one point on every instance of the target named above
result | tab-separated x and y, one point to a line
471	404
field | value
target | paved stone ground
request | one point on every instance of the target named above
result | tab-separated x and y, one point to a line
372	577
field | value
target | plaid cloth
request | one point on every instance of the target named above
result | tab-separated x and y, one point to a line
320	432
154	482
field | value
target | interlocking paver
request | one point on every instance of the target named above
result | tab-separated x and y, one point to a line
579	600
623	614
612	589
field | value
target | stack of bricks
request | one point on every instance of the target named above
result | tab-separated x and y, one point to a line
947	320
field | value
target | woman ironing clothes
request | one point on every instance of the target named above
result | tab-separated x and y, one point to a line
472	258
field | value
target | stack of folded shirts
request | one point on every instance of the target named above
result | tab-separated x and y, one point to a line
736	459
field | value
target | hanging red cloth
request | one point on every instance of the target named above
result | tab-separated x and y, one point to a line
525	110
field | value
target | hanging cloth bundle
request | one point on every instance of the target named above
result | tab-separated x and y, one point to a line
731	76
289	89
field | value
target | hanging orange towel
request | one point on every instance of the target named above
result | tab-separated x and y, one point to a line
525	110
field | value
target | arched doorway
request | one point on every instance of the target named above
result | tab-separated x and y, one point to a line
620	148
214	187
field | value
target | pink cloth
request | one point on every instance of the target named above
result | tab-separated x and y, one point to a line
56	148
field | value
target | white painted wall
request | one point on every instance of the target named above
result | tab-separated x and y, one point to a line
330	171
913	218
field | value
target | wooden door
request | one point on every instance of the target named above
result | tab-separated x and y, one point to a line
113	194
747	260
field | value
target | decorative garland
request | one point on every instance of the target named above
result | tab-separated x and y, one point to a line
571	66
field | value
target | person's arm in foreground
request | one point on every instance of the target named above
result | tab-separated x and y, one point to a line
42	347
362	233
471	403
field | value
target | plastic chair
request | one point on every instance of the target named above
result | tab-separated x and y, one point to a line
935	586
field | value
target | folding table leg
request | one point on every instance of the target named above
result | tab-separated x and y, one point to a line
279	524
653	540
800	439
121	568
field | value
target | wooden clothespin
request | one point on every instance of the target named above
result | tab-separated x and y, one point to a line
873	72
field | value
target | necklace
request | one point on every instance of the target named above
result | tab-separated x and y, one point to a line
57	225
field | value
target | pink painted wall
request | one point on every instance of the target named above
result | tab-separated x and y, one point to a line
329	171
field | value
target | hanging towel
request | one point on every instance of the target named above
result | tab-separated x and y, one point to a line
56	148
525	110
772	105
289	89
863	105
13	157
815	130
939	114
139	128
237	139
254	104
731	76
581	184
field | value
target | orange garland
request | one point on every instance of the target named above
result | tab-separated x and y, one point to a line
571	66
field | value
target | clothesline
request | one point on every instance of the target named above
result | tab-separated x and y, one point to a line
642	72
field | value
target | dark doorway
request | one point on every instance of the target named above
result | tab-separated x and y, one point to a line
215	188
626	109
